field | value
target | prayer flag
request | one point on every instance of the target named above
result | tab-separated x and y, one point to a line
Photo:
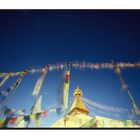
26	118
137	111
37	107
40	82
32	116
21	124
66	89
37	110
6	77
20	116
12	121
45	114
16	84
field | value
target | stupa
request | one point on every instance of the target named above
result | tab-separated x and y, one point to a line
78	117
78	114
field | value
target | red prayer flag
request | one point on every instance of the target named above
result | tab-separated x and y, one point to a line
12	121
67	77
45	114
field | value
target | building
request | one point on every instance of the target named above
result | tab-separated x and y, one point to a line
78	113
78	117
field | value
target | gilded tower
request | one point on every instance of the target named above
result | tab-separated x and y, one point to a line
78	113
78	105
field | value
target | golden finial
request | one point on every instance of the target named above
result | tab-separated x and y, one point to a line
78	92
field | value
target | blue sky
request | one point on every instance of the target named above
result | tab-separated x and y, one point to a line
36	38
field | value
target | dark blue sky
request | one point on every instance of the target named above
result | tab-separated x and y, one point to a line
36	38
68	35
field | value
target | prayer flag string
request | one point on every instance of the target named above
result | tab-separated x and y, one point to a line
125	87
78	65
5	92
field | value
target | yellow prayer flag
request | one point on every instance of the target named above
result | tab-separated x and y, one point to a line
32	116
66	89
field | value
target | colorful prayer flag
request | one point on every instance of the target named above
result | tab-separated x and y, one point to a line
66	89
137	111
45	114
16	84
67	77
12	121
26	118
40	82
6	77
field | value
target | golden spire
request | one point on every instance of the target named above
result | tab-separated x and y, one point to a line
77	92
78	105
